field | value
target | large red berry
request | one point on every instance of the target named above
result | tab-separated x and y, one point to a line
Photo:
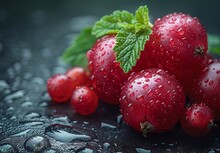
106	75
84	100
206	88
197	120
60	87
152	101
178	44
78	75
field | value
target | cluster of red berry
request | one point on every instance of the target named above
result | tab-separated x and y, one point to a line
173	65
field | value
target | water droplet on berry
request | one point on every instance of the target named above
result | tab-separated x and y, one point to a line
106	145
211	82
180	31
145	86
140	98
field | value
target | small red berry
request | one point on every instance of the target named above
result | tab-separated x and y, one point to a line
78	75
178	45
84	100
197	120
152	101
60	87
206	88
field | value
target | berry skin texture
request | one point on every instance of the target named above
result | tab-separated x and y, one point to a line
84	100
60	88
206	88
152	101
78	75
106	75
178	44
197	120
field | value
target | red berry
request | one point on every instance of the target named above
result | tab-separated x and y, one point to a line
206	88
178	44
106	75
152	101
197	120
78	75
60	87
84	100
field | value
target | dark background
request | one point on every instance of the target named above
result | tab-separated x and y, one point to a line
33	35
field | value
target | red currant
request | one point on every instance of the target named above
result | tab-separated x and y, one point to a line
197	120
84	100
60	87
206	88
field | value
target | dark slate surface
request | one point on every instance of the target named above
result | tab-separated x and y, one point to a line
33	35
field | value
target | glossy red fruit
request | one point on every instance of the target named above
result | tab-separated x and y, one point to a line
106	75
79	75
152	101
60	87
197	120
178	44
84	100
206	88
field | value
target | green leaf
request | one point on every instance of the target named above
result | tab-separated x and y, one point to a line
111	24
214	44
128	47
75	54
142	16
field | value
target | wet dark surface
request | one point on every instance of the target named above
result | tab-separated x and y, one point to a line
32	37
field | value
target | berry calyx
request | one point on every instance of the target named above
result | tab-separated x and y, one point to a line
152	101
60	87
84	100
197	120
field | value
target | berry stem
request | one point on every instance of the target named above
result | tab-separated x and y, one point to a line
150	25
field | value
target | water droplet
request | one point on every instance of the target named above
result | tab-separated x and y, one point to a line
145	86
22	133
157	79
85	150
51	151
106	145
32	115
27	104
119	118
15	95
211	82
106	125
61	120
180	31
64	136
141	150
3	85
31	123
7	148
140	98
36	143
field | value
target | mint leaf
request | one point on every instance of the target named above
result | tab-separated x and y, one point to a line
141	15
75	54
128	47
132	32
111	24
214	44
